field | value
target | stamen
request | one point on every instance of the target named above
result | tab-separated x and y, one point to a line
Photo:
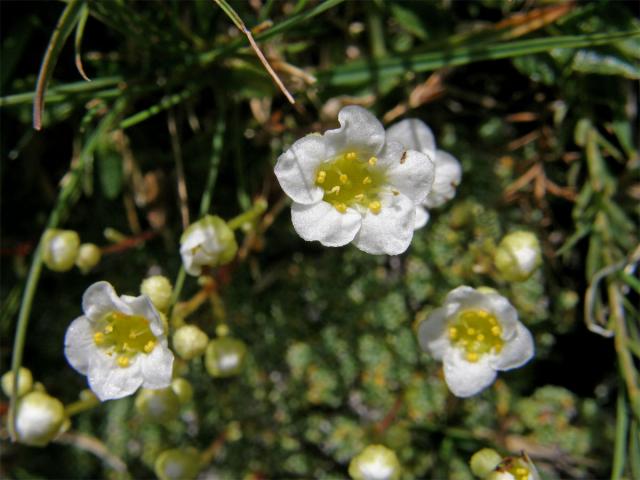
108	329
472	356
322	175
148	348
351	155
471	332
98	338
495	331
366	181
335	189
375	207
373	161
359	197
123	361
341	207
480	337
343	179
453	333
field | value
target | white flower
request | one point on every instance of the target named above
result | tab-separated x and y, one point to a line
209	242
119	343
475	333
515	468
415	134
376	462
518	256
350	185
39	418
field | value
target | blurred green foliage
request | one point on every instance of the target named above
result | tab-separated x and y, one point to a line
543	117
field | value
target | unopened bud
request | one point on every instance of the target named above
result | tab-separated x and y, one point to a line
183	390
209	242
159	291
25	382
225	356
484	462
376	462
39	418
189	341
178	464
157	406
60	248
89	256
518	256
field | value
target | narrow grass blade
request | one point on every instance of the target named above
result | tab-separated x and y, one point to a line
84	15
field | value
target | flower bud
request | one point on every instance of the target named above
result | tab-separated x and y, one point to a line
159	291
60	248
25	382
183	390
178	464
518	256
484	461
189	341
514	468
376	462
39	418
89	256
224	357
209	242
157	406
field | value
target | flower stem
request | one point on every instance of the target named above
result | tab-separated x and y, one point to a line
81	406
259	207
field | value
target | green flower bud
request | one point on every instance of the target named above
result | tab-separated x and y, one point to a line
224	357
189	341
25	382
178	464
157	406
39	418
89	256
159	291
183	390
518	256
209	242
484	462
59	249
376	462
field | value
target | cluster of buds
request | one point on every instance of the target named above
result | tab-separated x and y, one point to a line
61	250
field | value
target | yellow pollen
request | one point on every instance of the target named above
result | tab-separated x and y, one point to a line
335	190
344	179
341	207
375	207
373	161
124	336
472	356
453	333
98	338
322	175
496	330
359	197
123	361
471	332
148	348
521	472
476	332
480	337
351	155
108	329
366	180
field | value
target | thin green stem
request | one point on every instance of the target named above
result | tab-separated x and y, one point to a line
216	153
165	104
620	445
259	207
81	406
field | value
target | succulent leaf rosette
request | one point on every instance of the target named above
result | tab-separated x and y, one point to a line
475	334
119	343
415	134
350	185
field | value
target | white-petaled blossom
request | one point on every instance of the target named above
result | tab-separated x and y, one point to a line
518	256
351	185
209	242
515	468
475	334
39	419
119	343
376	462
415	134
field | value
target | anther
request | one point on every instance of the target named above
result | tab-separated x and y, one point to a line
366	181
359	197
108	329
480	337
341	207
98	338
373	161
322	175
495	330
123	361
351	155
453	333
471	331
149	346
472	356
375	207
335	189
343	179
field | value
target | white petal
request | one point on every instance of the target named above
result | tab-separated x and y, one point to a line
359	132
414	135
142	306
517	351
412	175
109	381
422	218
390	231
322	222
448	174
296	169
390	155
432	334
464	378
100	299
157	368
79	346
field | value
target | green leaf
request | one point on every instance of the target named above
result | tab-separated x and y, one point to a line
409	20
601	63
109	171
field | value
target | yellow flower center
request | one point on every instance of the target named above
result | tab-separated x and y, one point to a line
348	180
516	467
477	332
125	336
